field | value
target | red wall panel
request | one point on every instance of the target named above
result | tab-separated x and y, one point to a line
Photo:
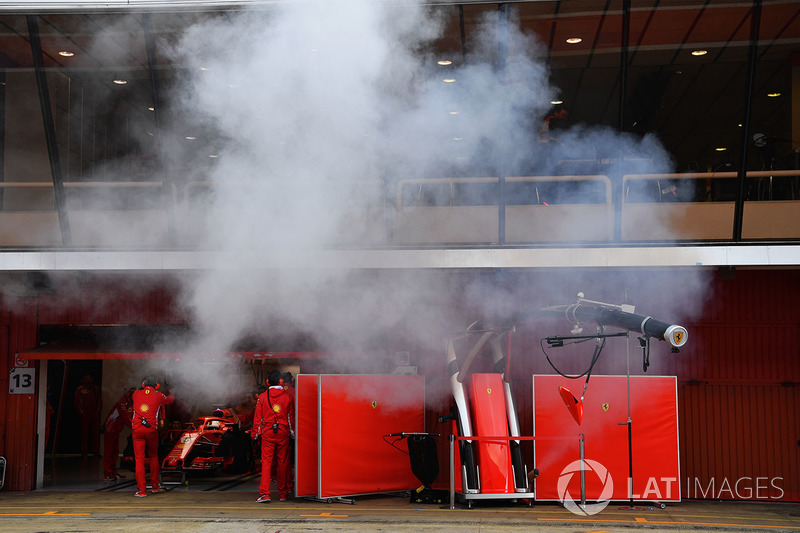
654	439
740	442
355	414
307	438
20	412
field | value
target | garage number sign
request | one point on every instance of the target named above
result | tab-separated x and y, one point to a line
21	381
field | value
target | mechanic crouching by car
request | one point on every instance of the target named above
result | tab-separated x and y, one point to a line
147	404
272	422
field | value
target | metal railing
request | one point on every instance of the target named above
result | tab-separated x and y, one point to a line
437	211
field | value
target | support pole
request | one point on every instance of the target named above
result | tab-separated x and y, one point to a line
452	472
618	191
49	129
502	53
738	211
629	424
41	424
582	444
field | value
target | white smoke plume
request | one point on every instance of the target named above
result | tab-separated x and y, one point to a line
308	105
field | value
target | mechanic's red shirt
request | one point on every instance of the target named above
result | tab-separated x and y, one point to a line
120	415
291	392
274	405
147	403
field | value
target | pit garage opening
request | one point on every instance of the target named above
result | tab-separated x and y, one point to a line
117	357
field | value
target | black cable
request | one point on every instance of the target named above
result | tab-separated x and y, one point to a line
393	443
598	348
601	343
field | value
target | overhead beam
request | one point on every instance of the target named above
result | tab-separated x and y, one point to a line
627	257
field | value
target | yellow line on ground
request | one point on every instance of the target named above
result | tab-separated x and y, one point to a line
673	523
555	514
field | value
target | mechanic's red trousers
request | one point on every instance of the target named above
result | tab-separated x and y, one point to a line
149	440
90	434
275	446
110	453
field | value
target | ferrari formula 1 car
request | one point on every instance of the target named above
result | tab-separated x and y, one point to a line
213	442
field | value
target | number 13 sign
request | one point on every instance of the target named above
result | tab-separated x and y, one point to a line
21	381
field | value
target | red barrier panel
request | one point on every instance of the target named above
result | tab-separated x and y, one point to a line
342	420
307	437
654	429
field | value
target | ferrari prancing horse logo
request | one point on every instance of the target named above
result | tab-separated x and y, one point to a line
488	391
605	407
374	404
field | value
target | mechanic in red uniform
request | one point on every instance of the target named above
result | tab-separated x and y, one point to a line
88	403
147	403
117	419
246	410
272	422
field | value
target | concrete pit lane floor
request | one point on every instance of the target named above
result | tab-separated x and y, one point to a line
186	510
220	503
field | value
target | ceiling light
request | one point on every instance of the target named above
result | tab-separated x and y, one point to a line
66	53
556	102
213	156
190	138
454	112
120	82
458	138
699	52
773	95
204	68
574	40
445	62
720	149
151	108
449	80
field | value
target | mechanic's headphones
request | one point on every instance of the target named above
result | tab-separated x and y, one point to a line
150	381
274	378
